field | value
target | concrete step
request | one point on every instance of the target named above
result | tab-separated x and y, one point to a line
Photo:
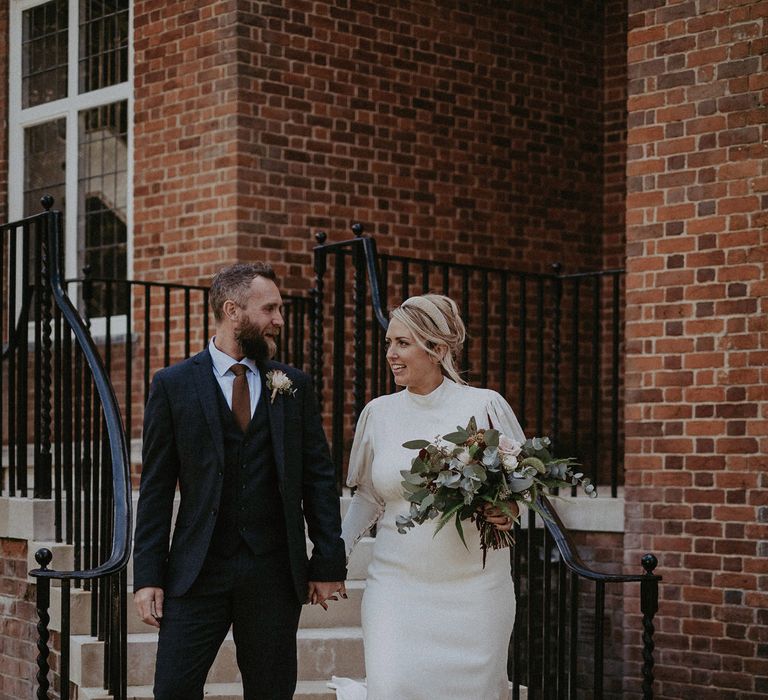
342	613
357	568
305	690
321	654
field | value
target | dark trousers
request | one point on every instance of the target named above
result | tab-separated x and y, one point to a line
252	593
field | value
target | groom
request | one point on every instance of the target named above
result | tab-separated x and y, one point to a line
242	437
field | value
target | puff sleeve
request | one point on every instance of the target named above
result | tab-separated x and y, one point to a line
366	506
503	418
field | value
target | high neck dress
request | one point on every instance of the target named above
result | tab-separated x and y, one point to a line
435	623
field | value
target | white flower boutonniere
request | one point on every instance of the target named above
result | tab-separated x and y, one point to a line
278	383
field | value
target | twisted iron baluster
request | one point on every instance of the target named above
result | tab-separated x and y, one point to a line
43	557
317	326
649	604
43	470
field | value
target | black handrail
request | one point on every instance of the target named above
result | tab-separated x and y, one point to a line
571	555
121	531
649	594
100	450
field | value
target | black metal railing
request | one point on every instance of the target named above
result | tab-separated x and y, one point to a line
550	343
58	401
144	326
558	354
563	619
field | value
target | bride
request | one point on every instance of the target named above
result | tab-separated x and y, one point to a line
436	624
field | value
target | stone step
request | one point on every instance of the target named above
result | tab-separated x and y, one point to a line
342	613
322	653
357	567
305	690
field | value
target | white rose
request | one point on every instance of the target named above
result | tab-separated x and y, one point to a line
509	446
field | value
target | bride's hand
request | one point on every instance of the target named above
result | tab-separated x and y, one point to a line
498	518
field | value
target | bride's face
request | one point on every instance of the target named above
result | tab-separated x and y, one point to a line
411	365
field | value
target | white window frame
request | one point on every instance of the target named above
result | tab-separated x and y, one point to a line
68	107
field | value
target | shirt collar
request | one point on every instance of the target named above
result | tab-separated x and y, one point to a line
222	362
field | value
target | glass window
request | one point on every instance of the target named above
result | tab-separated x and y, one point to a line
69	120
103	142
103	43
44	53
45	164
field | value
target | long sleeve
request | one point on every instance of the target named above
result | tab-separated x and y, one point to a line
320	498
366	505
160	471
503	418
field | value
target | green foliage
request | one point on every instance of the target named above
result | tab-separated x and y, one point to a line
456	476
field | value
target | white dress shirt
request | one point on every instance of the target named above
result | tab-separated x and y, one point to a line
226	378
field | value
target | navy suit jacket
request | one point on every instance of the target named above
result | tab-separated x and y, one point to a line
183	443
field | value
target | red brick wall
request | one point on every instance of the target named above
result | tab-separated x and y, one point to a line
458	130
614	133
697	347
18	618
185	139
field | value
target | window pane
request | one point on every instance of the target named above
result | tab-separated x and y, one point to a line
44	53
102	229
44	164
103	43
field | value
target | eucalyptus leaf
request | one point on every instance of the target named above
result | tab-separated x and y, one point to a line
416	444
457	438
492	437
420	495
448	479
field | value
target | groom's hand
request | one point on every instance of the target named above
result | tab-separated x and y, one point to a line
321	591
149	604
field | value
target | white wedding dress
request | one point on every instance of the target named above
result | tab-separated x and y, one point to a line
436	625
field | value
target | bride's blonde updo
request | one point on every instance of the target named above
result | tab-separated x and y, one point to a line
434	320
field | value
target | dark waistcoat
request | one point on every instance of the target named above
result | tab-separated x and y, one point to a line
250	508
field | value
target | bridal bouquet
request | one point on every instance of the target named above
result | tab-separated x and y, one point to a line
456	475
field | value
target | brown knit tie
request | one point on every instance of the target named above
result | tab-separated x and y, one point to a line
241	397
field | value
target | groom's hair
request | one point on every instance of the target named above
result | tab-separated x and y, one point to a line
234	283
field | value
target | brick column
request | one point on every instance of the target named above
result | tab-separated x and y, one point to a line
18	620
697	346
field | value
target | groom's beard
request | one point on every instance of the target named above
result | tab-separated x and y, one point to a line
253	343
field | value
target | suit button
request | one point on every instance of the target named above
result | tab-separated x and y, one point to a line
242	529
213	512
221	473
243	466
243	487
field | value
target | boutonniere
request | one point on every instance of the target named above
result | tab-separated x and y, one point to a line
278	383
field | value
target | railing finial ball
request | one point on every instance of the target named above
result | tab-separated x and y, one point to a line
47	201
43	556
321	237
649	562
357	229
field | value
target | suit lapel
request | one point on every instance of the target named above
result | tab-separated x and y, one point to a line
206	386
276	425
